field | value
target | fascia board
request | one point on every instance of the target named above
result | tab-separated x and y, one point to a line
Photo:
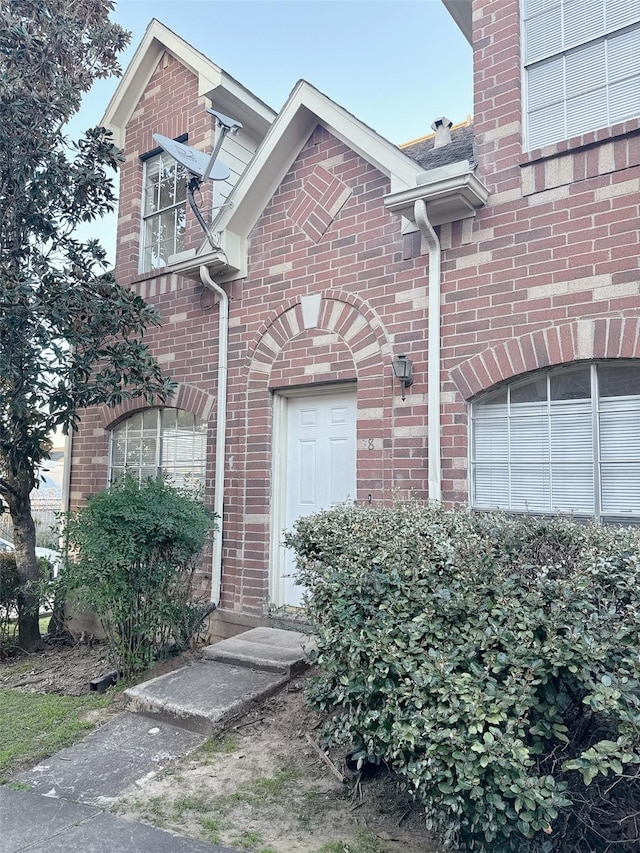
304	111
449	199
156	40
256	116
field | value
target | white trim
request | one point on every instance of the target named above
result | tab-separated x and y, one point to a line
213	83
305	109
278	498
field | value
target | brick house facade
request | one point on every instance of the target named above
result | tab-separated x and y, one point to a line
338	251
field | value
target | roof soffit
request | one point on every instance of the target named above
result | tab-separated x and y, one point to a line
462	13
213	82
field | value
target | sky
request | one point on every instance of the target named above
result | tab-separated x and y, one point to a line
395	64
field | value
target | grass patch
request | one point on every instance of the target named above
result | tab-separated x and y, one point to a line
248	840
265	789
210	828
221	745
34	726
188	804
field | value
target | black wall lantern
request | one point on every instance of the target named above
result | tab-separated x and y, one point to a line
403	370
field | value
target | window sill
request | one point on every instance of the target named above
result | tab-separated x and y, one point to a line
580	143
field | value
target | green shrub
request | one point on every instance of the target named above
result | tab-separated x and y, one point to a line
135	548
9	589
493	663
10	596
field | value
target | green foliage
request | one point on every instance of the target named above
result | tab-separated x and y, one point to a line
10	599
34	725
9	587
70	336
135	551
493	663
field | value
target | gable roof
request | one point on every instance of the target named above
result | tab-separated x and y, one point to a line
230	96
305	109
444	177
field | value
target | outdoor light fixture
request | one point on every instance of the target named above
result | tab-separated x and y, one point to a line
403	370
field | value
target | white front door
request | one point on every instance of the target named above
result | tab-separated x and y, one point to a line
320	466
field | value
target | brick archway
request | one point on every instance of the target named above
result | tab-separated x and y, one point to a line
583	340
187	397
332	338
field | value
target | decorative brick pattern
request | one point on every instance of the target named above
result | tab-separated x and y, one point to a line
318	202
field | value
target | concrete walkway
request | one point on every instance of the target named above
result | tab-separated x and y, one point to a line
168	717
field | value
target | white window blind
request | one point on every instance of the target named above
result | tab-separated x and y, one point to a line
564	440
582	66
160	440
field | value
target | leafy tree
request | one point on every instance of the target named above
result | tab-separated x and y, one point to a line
70	336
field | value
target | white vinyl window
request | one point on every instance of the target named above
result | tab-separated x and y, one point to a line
160	440
163	211
562	440
581	65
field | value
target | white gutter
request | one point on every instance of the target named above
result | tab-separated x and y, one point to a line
221	429
433	355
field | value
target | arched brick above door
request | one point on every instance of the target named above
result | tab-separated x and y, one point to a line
343	326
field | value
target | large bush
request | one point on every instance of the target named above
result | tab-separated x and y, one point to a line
134	550
11	600
493	663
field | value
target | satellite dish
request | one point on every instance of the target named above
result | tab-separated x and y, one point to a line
194	161
201	167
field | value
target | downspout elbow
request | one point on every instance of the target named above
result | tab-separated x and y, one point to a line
221	428
433	365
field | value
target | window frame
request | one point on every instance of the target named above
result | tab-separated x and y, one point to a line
145	218
161	464
602	459
567	48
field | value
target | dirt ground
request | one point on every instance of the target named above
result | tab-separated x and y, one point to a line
262	786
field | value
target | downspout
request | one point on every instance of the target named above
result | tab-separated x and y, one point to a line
433	354
66	473
221	429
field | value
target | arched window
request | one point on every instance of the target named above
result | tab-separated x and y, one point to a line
561	440
155	440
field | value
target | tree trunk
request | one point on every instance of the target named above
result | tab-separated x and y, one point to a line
24	540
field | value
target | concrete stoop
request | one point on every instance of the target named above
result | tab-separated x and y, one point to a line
170	716
235	674
269	649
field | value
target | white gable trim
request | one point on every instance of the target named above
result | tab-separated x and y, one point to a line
305	109
213	83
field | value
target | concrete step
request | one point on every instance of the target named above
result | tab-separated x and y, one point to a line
203	696
268	649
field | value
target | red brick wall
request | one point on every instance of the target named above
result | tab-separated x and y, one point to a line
335	241
326	234
546	273
548	270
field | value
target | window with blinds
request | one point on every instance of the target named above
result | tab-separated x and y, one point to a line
582	66
172	441
563	440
